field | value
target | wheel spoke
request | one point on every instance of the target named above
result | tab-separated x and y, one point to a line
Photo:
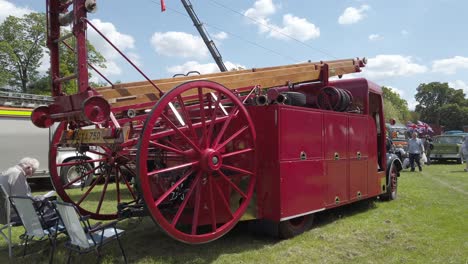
213	118
173	187
177	130
184	203
223	199
81	177
167	148
232	137
89	190
225	125
196	210
130	189
202	117
117	182
232	184
170	131
173	168
103	193
237	169
230	154
186	117
212	204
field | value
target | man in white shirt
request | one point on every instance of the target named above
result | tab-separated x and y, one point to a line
14	181
415	148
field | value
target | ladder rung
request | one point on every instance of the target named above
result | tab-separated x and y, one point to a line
67	78
62	38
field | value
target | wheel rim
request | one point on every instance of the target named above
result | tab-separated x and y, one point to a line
99	200
73	174
200	177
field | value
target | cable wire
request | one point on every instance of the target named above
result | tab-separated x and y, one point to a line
294	60
273	29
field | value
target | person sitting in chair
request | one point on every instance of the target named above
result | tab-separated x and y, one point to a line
14	181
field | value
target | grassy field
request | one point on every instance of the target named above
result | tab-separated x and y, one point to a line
428	223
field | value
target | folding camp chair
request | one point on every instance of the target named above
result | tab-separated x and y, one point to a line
83	237
5	219
36	226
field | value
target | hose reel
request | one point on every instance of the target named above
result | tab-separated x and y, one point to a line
333	98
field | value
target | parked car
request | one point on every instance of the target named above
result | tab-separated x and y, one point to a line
447	147
453	132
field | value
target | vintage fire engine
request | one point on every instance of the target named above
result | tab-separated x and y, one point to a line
200	153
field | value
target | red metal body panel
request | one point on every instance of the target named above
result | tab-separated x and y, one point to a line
312	159
358	154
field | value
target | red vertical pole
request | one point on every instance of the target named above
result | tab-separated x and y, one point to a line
53	33
79	29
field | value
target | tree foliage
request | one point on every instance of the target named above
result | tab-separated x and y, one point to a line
21	54
395	107
21	42
442	105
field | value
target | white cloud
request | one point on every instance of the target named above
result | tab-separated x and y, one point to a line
450	66
400	92
353	15
375	37
405	32
124	42
292	27
179	44
412	103
9	9
385	66
261	8
459	84
298	28
200	67
220	36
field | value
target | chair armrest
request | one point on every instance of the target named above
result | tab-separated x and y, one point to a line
85	217
103	226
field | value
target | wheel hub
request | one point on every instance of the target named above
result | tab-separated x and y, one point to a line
211	160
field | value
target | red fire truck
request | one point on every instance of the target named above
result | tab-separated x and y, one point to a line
200	153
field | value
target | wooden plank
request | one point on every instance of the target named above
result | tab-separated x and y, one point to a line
142	92
334	63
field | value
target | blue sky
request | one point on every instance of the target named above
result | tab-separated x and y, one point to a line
406	42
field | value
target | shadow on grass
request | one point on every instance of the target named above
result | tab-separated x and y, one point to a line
329	216
145	242
148	243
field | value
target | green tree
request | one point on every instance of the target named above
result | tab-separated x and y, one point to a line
433	96
398	106
21	42
453	116
22	45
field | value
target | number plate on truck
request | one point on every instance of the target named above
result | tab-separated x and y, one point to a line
95	136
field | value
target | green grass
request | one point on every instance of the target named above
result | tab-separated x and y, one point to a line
428	223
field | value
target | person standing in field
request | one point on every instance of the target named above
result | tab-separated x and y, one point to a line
415	149
465	152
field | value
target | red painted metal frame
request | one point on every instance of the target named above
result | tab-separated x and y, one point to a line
206	157
309	159
313	159
111	164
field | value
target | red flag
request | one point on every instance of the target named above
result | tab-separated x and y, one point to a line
163	6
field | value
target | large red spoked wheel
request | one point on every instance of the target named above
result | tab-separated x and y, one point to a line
95	178
196	161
